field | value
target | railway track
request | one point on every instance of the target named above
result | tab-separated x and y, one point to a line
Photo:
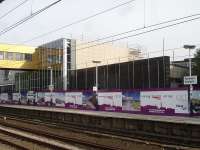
44	138
11	145
141	135
77	141
27	140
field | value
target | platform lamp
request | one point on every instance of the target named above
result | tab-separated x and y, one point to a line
96	62
190	47
51	86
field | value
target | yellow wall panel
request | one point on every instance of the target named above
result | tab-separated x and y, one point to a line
17	48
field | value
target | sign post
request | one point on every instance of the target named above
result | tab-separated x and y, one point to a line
94	88
190	80
189	47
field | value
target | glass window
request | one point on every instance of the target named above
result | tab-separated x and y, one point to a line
19	56
9	55
1	55
28	57
61	59
57	59
69	58
49	59
54	59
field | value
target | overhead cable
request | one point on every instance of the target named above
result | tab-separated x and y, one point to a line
10	11
27	18
148	31
138	29
81	20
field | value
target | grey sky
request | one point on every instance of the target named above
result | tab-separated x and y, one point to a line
119	20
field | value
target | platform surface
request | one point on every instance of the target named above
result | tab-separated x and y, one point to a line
171	119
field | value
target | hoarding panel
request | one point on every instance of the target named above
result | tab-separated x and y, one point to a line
16	98
73	99
131	101
110	101
196	101
89	100
59	99
165	102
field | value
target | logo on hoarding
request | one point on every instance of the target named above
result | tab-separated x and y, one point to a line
157	97
74	96
106	97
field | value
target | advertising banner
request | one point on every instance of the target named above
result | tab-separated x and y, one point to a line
4	97
73	100
45	99
110	101
89	100
49	98
23	99
164	102
40	99
131	101
195	101
9	98
16	98
59	99
31	96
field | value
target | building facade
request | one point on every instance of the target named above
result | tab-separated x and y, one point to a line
65	57
72	67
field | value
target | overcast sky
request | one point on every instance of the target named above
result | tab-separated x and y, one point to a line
119	20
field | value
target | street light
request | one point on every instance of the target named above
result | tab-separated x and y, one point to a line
96	62
190	62
51	77
189	47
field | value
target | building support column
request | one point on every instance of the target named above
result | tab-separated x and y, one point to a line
65	44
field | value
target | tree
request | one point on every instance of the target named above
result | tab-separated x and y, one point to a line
196	67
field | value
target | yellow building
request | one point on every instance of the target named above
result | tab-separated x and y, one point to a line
17	57
63	56
105	53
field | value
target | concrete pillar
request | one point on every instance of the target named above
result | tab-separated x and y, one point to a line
65	44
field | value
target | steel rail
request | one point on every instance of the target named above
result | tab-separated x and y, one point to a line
154	139
54	136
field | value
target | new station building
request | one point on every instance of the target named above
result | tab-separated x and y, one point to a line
71	62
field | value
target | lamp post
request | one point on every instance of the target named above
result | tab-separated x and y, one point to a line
189	47
96	62
51	86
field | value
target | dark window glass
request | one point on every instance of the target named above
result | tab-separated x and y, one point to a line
54	59
69	58
69	65
50	59
61	59
19	56
1	55
28	57
57	59
9	55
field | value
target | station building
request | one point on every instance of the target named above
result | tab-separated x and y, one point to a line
72	63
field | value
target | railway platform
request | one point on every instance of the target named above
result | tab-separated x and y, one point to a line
184	131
